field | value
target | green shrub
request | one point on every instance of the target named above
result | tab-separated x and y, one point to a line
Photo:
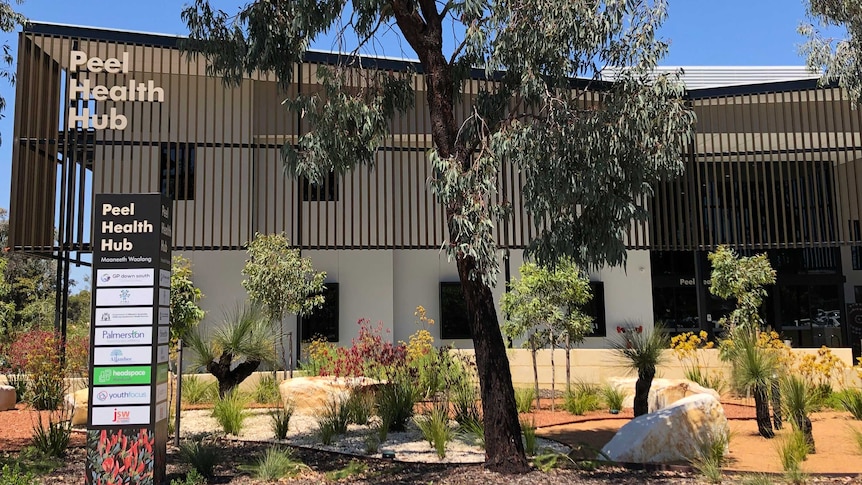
524	397
465	401
714	381
52	438
436	430
756	479
197	390
851	400
276	463
202	457
582	398
372	440
192	478
529	433
395	401
613	397
360	406
230	412
266	390
280	421
12	475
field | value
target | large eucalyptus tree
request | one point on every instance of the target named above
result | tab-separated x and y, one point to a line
834	42
589	166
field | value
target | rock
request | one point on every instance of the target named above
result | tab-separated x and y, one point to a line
310	395
8	398
78	401
662	393
670	435
665	392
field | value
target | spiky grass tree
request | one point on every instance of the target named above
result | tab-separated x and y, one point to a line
642	351
753	369
798	401
244	341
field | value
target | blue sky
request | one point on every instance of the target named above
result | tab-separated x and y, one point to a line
711	32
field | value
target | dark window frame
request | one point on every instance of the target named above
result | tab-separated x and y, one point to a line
596	309
323	321
177	170
453	326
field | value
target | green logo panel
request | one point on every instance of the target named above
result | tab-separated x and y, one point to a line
122	375
162	373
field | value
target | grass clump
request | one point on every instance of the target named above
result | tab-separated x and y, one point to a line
582	398
333	420
792	451
266	390
473	432
280	420
856	436
192	478
851	400
528	431
202	457
360	407
524	397
395	401
756	479
197	390
353	469
276	463
436	430
613	397
709	456
52	438
230	412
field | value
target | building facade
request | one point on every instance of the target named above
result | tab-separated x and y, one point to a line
773	168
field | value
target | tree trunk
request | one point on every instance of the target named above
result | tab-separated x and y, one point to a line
568	364
642	386
761	408
553	372
777	419
804	424
504	450
229	378
535	372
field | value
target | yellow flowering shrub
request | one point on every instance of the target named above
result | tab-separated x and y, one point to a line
421	342
820	368
685	346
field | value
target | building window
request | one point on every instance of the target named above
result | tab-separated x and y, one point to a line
177	169
454	318
322	322
856	250
596	309
857	293
327	191
675	308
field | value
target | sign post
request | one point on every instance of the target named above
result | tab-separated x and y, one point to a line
127	423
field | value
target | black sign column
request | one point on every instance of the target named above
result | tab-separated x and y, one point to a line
128	407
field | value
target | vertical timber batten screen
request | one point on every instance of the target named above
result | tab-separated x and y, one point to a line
766	170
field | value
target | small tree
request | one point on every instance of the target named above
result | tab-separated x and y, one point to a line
754	367
545	305
185	311
281	280
236	348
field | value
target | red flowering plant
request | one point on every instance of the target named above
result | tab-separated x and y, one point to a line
34	358
369	354
120	457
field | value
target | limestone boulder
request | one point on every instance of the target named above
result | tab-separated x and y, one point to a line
78	401
670	435
663	392
8	398
309	395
